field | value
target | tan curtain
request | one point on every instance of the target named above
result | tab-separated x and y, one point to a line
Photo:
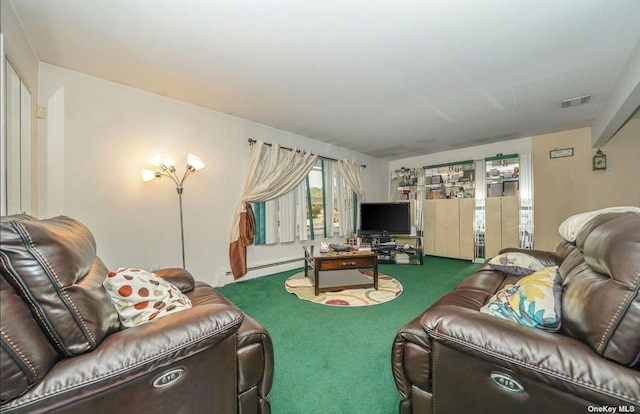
272	173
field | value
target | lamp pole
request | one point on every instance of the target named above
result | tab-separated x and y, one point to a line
166	169
179	190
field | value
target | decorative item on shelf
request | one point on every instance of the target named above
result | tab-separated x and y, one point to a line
340	247
168	169
599	161
352	240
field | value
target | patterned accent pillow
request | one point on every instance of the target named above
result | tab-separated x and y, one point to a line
518	264
142	296
534	301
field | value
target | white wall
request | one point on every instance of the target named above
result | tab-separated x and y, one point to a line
110	131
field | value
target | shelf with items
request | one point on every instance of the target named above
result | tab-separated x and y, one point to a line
396	249
503	175
450	180
406	184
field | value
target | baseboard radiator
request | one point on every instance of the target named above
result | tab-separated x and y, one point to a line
260	270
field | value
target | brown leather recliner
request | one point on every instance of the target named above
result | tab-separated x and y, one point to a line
455	359
65	351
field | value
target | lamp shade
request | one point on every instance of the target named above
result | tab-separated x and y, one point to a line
195	162
148	175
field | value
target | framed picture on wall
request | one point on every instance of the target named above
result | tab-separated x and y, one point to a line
561	152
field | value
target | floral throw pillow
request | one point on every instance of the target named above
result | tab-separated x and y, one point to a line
517	263
533	301
141	296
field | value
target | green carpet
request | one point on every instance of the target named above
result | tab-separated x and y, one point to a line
338	360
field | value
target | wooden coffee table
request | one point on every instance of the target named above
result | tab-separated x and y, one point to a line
339	270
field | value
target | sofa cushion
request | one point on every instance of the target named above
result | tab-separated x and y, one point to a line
141	296
26	355
601	300
572	226
52	265
517	263
533	301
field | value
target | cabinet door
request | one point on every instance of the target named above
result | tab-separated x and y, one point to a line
510	222
440	228
452	228
428	227
467	209
493	226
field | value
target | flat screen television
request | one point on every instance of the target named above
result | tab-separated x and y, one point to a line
385	218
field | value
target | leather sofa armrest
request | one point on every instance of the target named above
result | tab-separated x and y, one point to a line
551	358
549	257
135	352
178	277
411	359
255	366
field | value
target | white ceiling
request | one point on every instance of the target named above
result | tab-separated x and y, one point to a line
388	79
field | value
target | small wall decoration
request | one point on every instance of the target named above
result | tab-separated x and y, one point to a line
561	152
599	161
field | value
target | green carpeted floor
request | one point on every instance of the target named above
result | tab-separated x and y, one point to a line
338	360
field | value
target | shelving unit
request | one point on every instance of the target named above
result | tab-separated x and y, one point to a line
406	184
409	184
451	180
507	210
391	248
503	175
469	209
449	209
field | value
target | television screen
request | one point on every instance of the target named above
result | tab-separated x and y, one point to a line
385	218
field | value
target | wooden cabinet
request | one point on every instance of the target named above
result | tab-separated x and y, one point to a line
502	224
467	209
448	228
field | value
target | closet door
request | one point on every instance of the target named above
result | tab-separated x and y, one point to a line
452	228
493	226
510	221
467	209
429	227
440	228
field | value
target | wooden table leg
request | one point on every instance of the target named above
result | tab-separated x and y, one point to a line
375	274
316	279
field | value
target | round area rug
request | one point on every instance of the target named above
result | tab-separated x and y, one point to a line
388	289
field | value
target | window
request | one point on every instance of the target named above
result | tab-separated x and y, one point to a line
316	201
301	214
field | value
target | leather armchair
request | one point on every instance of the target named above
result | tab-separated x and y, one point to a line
64	350
454	359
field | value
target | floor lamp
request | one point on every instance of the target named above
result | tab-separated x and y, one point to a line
166	168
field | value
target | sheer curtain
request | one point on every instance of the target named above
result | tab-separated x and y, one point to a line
346	207
329	201
351	171
272	173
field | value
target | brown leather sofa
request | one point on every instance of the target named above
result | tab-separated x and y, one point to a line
64	349
454	359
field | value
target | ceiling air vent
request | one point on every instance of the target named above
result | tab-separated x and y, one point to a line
576	101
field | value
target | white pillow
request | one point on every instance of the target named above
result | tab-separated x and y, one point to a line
141	296
570	228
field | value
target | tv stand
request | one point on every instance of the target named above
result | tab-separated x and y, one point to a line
391	248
